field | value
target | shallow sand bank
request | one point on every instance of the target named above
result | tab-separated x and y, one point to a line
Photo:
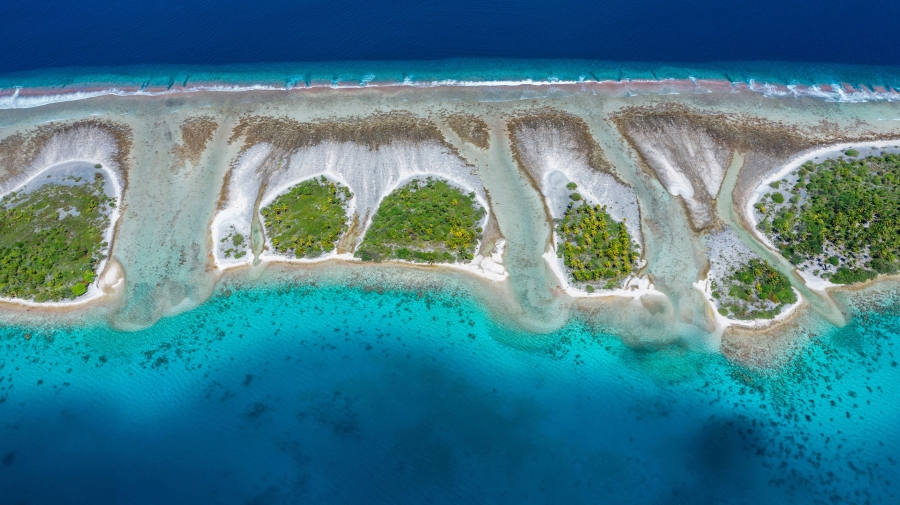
176	188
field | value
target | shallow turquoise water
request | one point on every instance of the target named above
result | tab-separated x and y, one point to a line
342	395
472	70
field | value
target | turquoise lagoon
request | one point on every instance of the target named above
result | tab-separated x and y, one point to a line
302	394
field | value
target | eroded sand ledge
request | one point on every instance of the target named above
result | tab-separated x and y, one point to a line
555	149
372	156
28	157
206	161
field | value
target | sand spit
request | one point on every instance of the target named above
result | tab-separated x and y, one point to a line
684	145
372	156
728	254
25	153
689	151
555	148
686	160
26	158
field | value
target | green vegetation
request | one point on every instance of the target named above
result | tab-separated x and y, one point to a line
853	153
308	220
755	291
426	220
845	219
239	243
51	239
594	247
845	275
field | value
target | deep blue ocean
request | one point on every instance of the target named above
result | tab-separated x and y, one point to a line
173	43
60	33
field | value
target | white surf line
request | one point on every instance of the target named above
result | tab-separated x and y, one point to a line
814	283
837	94
16	101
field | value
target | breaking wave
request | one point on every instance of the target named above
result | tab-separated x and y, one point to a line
841	84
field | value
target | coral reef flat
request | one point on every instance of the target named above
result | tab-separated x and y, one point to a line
200	173
433	294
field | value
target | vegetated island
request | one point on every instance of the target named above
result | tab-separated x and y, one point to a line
754	291
742	286
426	220
595	248
309	219
594	215
365	158
839	219
51	238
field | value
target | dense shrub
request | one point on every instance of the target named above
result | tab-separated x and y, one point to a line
755	291
883	266
846	275
849	207
308	220
51	239
427	221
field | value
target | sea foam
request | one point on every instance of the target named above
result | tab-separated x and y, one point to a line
19	96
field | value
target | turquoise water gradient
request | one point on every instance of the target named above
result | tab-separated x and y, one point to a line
294	75
341	395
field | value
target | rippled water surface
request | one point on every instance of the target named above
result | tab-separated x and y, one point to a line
342	395
99	33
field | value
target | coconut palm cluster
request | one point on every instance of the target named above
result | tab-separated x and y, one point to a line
427	220
595	248
755	291
840	219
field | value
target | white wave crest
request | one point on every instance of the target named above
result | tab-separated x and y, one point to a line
833	92
17	101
